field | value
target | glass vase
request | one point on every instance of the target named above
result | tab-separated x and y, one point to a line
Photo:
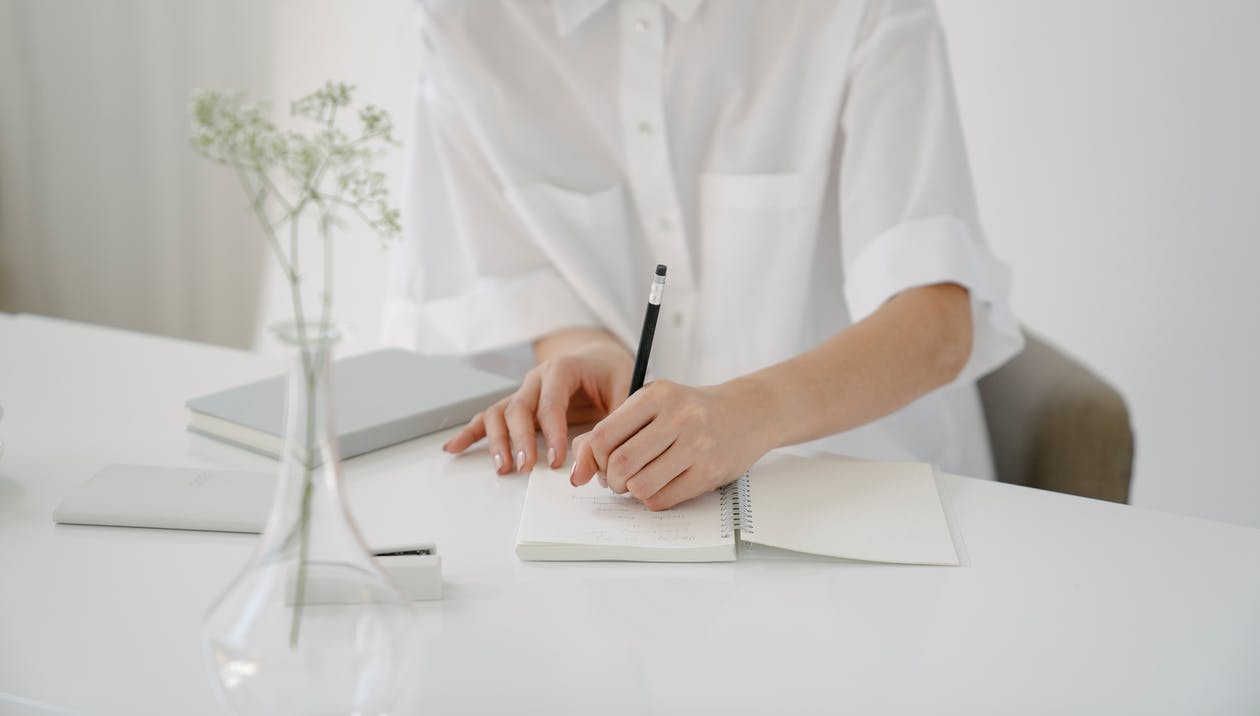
311	625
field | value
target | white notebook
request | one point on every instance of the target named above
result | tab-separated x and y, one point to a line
831	506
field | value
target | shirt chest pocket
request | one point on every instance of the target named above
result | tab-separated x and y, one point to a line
758	238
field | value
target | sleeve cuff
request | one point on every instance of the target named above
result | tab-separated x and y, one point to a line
940	250
491	315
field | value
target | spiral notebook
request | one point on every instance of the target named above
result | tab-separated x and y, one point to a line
831	506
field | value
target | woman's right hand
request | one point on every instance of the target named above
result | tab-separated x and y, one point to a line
582	375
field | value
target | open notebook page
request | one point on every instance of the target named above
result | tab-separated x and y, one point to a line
855	509
562	522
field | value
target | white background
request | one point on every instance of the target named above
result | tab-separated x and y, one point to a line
1114	146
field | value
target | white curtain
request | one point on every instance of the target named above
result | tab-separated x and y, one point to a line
106	214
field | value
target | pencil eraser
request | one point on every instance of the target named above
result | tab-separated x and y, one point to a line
416	569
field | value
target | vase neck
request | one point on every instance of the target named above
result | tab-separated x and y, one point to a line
309	483
309	440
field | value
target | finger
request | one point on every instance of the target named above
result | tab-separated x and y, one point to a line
659	472
620	389
497	438
687	485
553	406
636	452
609	433
584	467
472	432
520	421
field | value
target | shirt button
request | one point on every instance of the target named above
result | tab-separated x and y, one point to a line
641	25
645	129
678	319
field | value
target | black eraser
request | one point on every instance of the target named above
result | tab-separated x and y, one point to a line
660	269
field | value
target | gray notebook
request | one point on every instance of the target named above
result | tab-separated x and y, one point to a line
380	398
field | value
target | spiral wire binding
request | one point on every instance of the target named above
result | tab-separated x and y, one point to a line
736	500
744	508
728	519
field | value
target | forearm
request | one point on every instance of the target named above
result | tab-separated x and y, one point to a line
916	342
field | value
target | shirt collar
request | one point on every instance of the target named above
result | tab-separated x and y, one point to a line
572	13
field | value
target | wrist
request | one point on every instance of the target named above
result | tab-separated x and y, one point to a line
760	401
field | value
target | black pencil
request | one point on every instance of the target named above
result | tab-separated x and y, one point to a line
649	329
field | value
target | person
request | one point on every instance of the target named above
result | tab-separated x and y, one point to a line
798	165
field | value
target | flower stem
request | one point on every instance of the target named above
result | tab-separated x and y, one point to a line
310	383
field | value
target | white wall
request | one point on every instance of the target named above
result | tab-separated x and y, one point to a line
1116	147
371	45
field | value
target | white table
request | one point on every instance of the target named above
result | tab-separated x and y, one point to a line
1063	604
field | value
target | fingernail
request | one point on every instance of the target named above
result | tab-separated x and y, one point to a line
573	470
447	446
498	461
602	481
551	456
520	461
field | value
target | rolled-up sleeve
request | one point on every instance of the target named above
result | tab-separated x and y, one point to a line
908	212
467	277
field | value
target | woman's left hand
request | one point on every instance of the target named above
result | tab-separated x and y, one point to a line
669	443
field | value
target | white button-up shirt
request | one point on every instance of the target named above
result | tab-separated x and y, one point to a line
795	163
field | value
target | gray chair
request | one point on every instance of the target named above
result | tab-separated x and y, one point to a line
1055	425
